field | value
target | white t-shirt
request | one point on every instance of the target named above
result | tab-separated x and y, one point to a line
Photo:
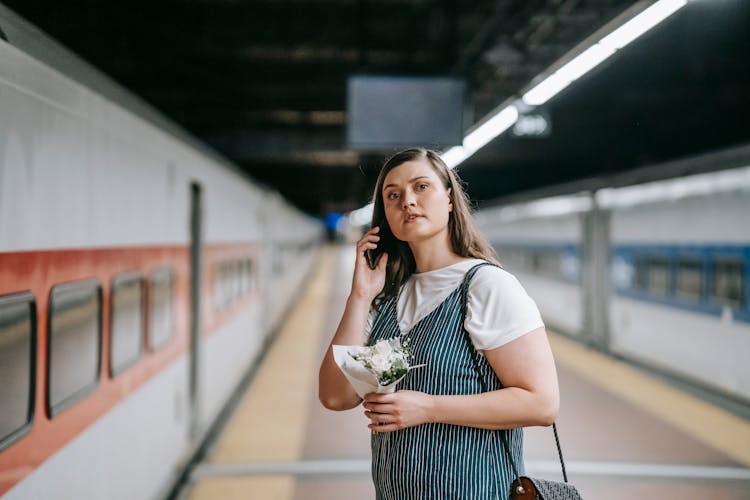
498	310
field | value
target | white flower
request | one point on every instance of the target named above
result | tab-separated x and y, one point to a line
380	363
388	360
384	348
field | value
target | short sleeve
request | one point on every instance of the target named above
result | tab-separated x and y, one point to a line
499	310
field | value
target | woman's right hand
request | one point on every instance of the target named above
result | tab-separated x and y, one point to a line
367	282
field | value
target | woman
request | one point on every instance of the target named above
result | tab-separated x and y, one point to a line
438	437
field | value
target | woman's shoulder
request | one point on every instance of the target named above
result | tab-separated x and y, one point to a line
493	276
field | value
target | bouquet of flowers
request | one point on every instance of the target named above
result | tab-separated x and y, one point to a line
376	368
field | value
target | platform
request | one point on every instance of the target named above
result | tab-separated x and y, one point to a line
625	433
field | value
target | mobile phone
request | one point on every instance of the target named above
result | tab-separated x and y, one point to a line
386	244
372	256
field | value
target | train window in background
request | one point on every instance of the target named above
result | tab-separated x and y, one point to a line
161	297
74	343
222	296
235	279
658	276
17	354
548	263
641	273
232	280
218	286
689	279
728	283
247	275
126	321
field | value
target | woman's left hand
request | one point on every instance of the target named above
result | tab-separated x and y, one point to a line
399	410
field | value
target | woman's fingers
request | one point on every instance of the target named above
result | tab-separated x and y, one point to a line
370	235
381	408
368	240
382	418
375	398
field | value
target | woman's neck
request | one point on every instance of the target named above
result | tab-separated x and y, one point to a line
428	255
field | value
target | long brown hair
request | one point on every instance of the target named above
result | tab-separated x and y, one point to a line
466	239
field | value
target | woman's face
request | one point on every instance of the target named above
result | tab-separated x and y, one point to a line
417	205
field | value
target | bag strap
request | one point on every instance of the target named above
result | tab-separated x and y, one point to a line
475	358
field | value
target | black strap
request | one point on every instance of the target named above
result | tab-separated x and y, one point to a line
475	358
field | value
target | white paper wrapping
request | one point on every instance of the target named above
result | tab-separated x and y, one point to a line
363	380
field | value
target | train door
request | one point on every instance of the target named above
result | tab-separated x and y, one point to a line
196	214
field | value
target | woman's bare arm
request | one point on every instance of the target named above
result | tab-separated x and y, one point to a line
334	391
530	395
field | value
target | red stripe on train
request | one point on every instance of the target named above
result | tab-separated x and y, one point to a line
38	271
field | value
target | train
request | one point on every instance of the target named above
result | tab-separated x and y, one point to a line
141	275
652	267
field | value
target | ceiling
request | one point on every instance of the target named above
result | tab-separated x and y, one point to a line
264	81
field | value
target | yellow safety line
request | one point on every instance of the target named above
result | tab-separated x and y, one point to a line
269	422
710	424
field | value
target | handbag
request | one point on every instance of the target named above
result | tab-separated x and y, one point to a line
524	487
531	488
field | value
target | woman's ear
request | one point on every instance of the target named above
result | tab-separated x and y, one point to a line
450	200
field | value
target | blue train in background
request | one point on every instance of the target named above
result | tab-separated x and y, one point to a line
656	272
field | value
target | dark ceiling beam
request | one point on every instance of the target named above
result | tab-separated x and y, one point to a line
245	145
287	55
226	116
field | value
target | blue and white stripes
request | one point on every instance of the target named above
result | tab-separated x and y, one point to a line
441	461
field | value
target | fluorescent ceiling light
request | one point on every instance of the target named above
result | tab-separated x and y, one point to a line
594	55
490	129
642	23
584	62
454	156
481	136
577	67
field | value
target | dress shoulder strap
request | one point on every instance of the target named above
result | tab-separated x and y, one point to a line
467	280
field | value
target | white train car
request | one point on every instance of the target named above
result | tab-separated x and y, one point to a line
542	248
140	276
658	273
680	275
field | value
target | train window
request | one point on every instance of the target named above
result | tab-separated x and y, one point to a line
549	263
234	280
161	296
222	294
728	283
17	336
658	276
641	273
246	266
218	285
126	321
74	343
689	279
251	275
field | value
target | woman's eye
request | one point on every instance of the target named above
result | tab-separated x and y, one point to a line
392	196
422	187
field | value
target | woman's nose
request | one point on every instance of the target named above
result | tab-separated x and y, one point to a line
408	200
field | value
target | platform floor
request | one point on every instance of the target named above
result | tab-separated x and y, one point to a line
625	434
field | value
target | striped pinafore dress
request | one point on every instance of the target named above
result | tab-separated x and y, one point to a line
441	461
